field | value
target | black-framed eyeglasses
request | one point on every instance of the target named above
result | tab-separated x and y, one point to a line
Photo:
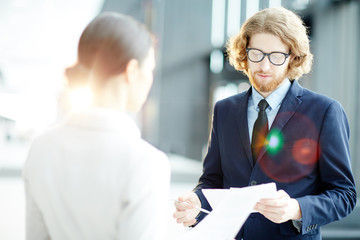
277	58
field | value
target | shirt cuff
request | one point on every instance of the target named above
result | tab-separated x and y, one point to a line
297	224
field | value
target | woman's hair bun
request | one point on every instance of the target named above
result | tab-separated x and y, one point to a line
77	75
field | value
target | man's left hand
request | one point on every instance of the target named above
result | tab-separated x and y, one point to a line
279	209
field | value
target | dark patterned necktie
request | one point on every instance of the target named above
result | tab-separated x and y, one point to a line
260	130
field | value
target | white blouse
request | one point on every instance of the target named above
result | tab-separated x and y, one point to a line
95	178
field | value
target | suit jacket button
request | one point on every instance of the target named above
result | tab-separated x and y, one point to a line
253	183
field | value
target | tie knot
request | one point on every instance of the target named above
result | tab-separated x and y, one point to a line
263	105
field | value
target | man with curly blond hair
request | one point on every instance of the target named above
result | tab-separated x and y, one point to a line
280	132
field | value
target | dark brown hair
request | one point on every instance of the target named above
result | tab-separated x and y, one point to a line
106	45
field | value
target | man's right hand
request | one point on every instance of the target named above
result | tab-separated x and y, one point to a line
185	211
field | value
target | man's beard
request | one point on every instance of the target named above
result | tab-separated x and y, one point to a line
266	87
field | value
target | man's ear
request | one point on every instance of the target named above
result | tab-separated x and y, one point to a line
290	58
132	70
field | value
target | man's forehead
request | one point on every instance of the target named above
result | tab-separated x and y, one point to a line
267	42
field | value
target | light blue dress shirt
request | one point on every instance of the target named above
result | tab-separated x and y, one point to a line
274	100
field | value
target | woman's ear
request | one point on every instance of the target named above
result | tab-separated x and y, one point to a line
132	70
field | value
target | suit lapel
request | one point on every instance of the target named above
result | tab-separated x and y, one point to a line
242	124
289	106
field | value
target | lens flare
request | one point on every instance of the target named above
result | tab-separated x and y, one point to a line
274	142
304	151
293	152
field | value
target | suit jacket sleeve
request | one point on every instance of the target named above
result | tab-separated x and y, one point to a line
212	174
338	196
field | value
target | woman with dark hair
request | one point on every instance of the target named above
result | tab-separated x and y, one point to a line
93	177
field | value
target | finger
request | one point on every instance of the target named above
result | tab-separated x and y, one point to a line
282	194
191	197
273	217
271	210
274	206
275	202
269	202
187	200
179	214
183	205
180	206
181	220
184	219
186	197
266	209
279	195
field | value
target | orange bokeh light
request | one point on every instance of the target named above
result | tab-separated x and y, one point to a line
305	151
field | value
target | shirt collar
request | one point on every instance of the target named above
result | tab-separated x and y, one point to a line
275	98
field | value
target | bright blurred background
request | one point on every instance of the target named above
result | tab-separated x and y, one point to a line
39	39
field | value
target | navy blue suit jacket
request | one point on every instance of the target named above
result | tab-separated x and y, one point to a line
308	157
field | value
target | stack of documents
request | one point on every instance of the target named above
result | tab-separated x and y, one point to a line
231	207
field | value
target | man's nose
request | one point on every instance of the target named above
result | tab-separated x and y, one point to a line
265	64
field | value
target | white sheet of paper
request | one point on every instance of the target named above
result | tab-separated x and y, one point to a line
231	208
215	196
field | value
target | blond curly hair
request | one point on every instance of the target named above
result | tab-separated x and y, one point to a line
282	23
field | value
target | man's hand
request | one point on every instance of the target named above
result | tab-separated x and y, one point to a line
279	209
185	211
